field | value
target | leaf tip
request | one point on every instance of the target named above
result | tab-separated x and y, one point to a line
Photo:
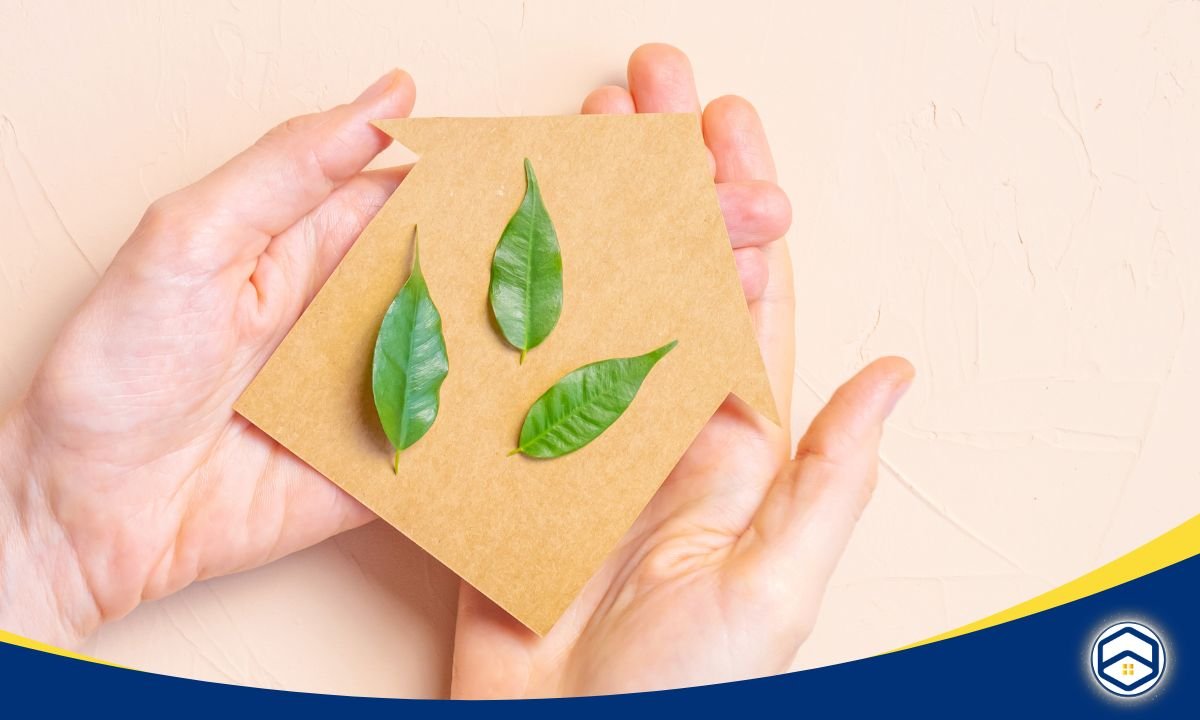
530	176
662	351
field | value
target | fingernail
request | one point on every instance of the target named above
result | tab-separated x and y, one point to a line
897	393
378	88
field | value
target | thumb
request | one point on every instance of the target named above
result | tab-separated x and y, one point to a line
288	172
802	527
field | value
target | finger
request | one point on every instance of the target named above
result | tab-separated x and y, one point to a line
298	261
661	80
608	100
773	314
295	166
752	271
734	134
291	507
345	214
492	650
314	508
805	520
756	212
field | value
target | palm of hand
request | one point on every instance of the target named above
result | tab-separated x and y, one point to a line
134	402
687	582
691	596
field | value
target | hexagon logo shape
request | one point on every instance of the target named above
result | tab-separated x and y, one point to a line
1128	659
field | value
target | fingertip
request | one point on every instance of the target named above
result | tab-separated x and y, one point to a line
407	87
735	133
890	371
872	394
392	95
650	55
733	109
898	374
661	79
899	370
608	100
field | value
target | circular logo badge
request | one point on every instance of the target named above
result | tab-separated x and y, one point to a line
1128	659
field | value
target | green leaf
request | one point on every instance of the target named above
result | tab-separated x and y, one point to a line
526	291
577	408
410	362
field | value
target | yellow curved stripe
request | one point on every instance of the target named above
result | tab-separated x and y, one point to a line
11	639
1169	548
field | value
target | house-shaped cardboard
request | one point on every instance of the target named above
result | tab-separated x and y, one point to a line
646	259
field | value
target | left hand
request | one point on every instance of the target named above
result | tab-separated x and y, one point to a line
124	473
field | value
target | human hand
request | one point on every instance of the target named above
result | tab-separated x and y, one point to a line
721	576
124	473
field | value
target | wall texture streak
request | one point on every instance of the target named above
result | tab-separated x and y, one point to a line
1006	193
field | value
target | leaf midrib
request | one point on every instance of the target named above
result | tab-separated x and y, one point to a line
572	413
408	375
529	281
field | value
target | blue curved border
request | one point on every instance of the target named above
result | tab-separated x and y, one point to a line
1038	666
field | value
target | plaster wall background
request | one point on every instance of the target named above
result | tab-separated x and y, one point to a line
1006	193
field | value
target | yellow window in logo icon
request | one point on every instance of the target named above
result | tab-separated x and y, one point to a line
1126	668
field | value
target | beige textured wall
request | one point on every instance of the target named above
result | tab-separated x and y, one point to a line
1006	193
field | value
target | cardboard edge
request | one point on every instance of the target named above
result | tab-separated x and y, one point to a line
415	133
766	408
247	414
753	389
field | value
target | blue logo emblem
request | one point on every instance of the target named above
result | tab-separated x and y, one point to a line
1128	659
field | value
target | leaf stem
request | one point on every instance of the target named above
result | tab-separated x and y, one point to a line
396	463
514	451
522	360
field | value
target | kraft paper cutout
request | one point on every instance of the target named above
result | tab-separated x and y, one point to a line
646	259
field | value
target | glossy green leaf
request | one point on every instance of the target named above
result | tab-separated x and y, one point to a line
577	408
410	362
526	291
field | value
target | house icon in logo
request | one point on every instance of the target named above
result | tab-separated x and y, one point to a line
1128	659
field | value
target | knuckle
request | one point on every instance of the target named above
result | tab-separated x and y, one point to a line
159	215
661	563
779	207
287	134
170	239
165	224
770	593
769	206
813	457
297	143
291	127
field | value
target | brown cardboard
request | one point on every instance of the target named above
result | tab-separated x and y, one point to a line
646	259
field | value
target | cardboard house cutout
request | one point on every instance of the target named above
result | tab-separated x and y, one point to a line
646	260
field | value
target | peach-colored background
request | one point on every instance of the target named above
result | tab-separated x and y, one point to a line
1006	193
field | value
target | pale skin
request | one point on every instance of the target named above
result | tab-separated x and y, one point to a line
126	476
